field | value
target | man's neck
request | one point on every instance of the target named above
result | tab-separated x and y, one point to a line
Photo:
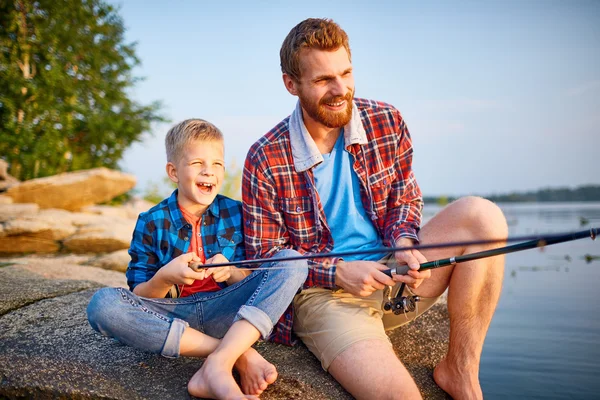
323	136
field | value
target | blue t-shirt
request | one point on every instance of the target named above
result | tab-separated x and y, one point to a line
339	189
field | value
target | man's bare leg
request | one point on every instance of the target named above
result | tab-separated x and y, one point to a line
214	379
256	373
473	288
369	369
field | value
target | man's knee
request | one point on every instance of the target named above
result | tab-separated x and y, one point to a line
482	217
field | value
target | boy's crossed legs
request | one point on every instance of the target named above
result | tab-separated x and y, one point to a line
188	326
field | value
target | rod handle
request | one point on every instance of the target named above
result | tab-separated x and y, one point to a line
400	270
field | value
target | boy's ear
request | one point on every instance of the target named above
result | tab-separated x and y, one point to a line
172	172
290	84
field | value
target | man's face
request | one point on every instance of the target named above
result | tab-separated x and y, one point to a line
326	86
199	174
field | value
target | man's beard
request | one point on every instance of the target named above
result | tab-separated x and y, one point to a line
331	119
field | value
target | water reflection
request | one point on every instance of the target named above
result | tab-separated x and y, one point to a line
543	340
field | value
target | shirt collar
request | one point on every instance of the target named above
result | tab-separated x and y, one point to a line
304	149
176	214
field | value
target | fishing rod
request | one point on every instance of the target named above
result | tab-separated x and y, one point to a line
529	242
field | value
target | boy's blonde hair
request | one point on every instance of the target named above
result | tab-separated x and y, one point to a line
187	131
312	33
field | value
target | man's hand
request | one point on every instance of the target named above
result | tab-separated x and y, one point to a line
220	274
361	278
414	259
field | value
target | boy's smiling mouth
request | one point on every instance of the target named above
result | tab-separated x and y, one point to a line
205	187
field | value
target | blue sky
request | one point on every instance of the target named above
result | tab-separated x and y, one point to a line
498	95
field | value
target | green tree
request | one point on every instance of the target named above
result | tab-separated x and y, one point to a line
65	83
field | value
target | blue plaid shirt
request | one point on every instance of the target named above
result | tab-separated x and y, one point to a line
162	233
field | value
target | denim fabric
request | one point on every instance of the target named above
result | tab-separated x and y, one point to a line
156	325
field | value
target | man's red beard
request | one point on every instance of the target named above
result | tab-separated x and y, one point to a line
331	119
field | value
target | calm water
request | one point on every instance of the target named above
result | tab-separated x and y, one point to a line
544	340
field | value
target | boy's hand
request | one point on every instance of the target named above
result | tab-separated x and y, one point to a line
178	272
220	274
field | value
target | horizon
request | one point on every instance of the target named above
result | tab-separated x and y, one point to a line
498	96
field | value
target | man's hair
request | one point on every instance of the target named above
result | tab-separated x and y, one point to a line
187	131
312	33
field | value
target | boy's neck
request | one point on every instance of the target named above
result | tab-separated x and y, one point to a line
196	209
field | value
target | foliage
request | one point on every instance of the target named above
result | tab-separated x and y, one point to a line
65	78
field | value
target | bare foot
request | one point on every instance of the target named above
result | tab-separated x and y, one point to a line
459	384
214	381
256	373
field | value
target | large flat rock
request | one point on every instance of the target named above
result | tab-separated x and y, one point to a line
73	190
48	350
20	287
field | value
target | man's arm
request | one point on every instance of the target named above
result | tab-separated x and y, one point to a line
405	203
264	226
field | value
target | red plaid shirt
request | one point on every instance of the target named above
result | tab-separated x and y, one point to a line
282	208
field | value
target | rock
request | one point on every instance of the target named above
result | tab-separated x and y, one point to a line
20	287
101	238
130	209
117	261
10	211
48	350
5	199
73	190
67	267
26	244
6	180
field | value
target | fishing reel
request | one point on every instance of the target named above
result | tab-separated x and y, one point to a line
401	304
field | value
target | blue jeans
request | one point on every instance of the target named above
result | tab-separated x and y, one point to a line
156	325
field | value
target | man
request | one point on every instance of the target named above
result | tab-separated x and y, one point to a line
336	175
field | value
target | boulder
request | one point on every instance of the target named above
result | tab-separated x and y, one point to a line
101	238
5	199
6	180
10	211
27	244
117	261
73	190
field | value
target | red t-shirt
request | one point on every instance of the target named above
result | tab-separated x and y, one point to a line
204	285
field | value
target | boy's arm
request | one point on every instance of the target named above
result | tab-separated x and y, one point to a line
145	276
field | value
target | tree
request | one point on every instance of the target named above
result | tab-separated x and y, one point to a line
65	82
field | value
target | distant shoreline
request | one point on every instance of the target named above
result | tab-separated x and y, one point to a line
580	194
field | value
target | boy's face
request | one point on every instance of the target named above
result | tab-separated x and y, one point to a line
199	174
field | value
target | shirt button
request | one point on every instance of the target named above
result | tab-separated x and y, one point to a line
186	238
200	250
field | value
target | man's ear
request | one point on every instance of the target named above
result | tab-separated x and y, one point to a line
290	84
172	172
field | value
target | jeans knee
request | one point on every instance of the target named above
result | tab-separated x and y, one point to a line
99	308
296	270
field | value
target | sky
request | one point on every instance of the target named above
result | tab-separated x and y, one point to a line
498	96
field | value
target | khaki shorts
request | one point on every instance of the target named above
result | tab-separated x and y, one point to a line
328	322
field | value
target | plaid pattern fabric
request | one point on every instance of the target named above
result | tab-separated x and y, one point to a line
282	207
162	233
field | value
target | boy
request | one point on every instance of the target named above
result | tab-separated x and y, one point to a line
196	225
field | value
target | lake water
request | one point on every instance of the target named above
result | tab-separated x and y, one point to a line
544	340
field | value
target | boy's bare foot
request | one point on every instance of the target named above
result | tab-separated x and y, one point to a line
459	384
256	373
214	381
